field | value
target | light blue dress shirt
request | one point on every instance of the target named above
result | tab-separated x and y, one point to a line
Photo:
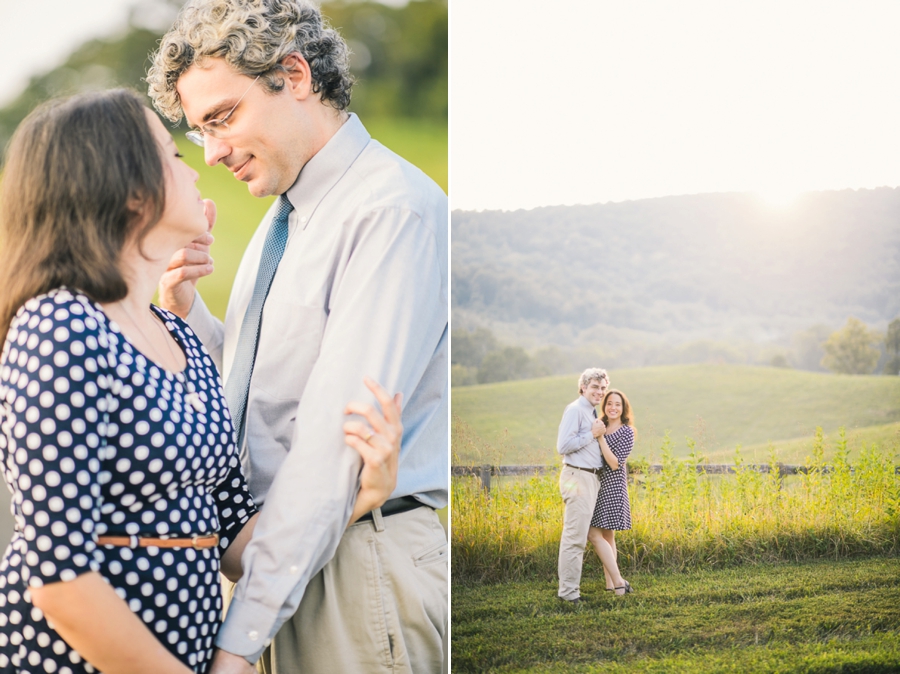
575	441
362	289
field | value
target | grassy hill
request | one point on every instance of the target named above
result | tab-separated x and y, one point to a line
718	406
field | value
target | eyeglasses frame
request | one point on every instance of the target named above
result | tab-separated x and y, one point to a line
198	136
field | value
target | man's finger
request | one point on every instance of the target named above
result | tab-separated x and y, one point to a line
202	242
209	210
186	273
188	256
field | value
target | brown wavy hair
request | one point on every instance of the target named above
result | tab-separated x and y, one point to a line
253	37
80	177
627	414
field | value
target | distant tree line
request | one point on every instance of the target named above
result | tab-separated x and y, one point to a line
683	269
479	357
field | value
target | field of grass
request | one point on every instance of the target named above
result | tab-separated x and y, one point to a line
422	143
822	616
684	519
718	406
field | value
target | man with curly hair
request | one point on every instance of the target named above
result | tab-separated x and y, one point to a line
346	276
579	481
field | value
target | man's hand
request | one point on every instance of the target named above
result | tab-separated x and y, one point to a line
176	287
229	663
598	428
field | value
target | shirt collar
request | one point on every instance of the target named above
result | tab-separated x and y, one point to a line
327	166
585	403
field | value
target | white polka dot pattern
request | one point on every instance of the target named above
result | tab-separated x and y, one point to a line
95	438
613	509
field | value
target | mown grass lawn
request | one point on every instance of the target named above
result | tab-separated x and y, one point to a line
821	616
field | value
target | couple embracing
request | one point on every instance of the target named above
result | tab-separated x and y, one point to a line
594	481
137	472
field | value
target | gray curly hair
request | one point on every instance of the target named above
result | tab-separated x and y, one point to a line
590	375
253	36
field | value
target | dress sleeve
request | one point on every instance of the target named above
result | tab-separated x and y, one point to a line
623	444
235	506
55	408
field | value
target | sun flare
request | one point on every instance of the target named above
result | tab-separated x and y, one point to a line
779	197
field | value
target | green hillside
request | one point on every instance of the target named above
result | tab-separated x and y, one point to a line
718	406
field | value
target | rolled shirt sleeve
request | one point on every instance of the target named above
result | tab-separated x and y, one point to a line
387	315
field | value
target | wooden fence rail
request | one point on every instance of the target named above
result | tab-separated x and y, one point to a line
485	472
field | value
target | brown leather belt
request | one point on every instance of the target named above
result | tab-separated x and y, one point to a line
196	541
394	507
595	471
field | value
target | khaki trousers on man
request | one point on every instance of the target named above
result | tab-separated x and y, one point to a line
579	492
379	605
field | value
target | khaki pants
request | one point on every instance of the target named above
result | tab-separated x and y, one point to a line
579	492
380	604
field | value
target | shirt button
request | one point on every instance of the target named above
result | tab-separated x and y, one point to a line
303	218
293	570
253	634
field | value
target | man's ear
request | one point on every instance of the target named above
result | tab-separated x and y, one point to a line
298	78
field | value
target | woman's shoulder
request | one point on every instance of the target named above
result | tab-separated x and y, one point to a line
61	314
185	333
178	324
624	431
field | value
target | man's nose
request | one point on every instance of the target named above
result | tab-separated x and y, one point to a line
214	150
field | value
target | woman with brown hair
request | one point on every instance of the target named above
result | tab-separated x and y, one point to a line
115	437
612	511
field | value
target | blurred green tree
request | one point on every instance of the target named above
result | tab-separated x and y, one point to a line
892	346
851	350
511	362
399	59
468	348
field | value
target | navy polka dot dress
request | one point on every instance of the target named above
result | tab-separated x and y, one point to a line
613	510
97	439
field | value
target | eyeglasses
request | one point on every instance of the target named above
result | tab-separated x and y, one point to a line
216	127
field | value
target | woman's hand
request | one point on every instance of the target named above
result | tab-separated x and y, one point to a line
610	458
378	443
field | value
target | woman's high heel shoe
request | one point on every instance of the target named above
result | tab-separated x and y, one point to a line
627	587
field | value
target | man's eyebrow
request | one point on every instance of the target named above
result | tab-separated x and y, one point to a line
216	109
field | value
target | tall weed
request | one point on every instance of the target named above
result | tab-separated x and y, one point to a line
684	517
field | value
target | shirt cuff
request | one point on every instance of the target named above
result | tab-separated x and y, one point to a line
246	630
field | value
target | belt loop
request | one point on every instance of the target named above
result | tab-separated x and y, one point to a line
378	519
133	542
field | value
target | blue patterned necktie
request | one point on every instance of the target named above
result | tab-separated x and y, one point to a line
237	388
